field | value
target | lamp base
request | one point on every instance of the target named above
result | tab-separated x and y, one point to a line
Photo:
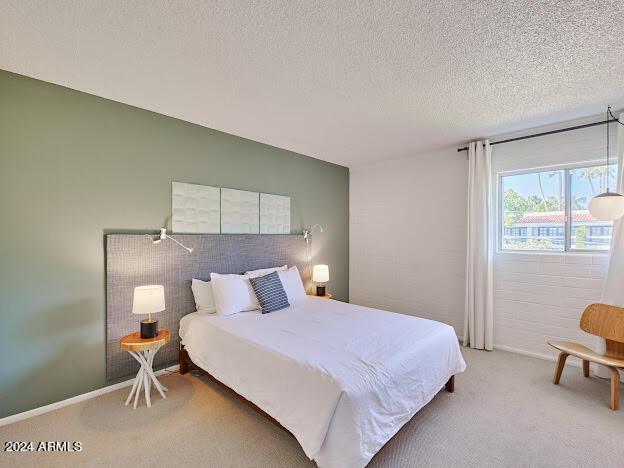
149	329
320	290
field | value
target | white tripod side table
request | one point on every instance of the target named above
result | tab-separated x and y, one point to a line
144	350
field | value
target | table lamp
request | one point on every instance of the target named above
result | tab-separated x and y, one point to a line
148	300
320	274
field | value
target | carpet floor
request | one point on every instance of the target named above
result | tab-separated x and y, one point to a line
504	413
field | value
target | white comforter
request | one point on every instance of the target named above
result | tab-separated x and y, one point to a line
342	378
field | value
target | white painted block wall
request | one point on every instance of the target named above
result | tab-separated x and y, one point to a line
407	246
539	297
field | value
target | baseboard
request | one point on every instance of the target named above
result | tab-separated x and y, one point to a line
126	383
511	349
76	399
570	362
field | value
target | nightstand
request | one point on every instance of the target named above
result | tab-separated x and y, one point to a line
144	350
326	296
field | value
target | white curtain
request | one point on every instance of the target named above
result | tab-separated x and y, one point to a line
478	316
613	292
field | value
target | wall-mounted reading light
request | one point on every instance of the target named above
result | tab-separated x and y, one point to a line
164	235
307	233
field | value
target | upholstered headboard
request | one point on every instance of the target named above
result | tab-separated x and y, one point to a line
132	260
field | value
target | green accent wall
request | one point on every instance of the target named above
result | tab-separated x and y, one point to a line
74	167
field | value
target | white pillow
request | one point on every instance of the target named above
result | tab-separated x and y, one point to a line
233	294
264	271
204	300
291	281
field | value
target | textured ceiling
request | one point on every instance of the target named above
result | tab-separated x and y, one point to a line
344	81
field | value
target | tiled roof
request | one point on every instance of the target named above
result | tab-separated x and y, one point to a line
555	217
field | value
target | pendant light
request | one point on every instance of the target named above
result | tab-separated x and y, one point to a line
607	206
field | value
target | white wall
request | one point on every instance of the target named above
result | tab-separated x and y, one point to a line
407	236
407	245
541	296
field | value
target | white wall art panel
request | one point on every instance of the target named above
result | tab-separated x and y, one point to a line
240	212
274	214
195	208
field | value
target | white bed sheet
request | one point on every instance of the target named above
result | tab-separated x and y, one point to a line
342	378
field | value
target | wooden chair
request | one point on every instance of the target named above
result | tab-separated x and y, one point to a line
600	320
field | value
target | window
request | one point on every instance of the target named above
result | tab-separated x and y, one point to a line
547	210
515	232
585	182
549	232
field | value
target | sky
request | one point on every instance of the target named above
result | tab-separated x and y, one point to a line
527	184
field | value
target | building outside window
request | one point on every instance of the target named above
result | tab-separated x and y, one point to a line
547	210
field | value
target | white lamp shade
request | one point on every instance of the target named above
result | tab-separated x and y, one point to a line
320	273
148	299
607	206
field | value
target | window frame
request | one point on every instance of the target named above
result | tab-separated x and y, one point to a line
567	226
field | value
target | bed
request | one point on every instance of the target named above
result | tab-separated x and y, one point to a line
342	378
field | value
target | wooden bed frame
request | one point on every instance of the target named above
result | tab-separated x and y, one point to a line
187	364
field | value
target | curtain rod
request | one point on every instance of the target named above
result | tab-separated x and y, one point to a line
561	130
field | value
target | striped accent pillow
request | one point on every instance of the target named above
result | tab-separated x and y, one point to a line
269	292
